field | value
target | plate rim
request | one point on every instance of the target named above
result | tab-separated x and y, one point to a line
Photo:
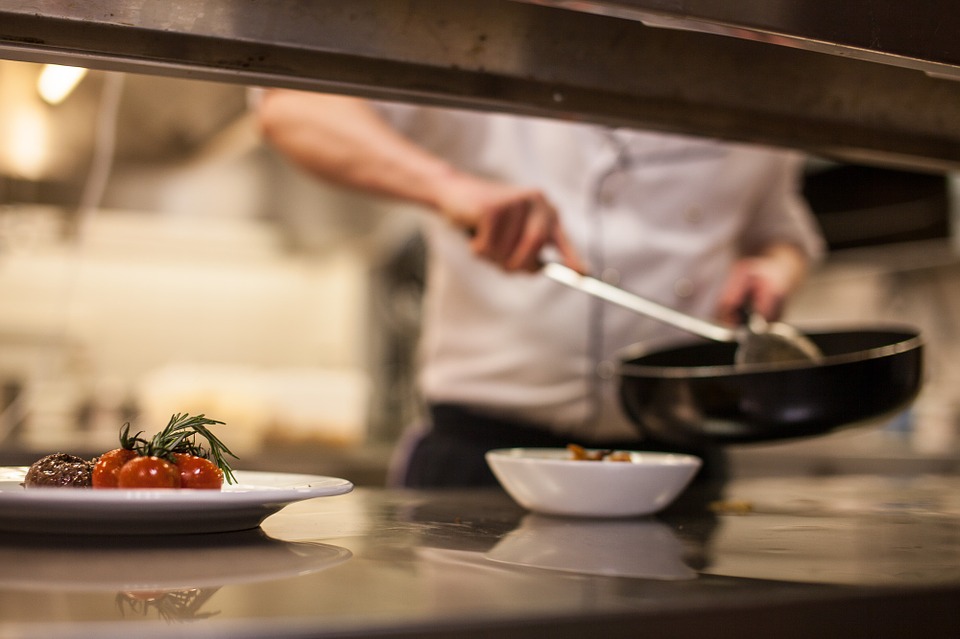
249	487
156	511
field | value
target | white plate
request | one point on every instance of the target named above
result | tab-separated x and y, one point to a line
239	506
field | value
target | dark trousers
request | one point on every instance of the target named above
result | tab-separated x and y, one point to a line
451	453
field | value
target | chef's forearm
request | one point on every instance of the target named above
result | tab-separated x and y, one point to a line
344	140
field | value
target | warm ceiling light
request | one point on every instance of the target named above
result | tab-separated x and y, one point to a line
56	82
24	133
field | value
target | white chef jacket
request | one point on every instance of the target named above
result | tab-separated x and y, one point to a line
664	216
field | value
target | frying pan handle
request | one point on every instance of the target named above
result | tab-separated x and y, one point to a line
745	310
749	317
753	321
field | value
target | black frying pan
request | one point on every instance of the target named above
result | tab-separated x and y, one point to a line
693	393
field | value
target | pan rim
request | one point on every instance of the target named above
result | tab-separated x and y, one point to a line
913	340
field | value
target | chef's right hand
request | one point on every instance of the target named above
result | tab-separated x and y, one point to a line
765	281
508	225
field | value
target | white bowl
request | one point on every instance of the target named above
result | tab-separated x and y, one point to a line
548	481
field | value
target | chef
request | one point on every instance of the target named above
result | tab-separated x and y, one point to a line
507	356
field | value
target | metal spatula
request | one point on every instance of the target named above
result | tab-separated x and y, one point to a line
762	341
758	341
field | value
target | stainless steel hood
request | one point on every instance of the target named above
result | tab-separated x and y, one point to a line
864	80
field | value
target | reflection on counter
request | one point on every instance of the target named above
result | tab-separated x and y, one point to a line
851	530
645	548
132	564
166	578
171	605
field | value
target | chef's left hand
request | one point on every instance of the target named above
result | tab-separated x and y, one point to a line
762	283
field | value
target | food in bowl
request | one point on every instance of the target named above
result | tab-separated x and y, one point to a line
585	454
549	481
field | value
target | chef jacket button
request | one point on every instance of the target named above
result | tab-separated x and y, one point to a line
694	215
610	276
607	197
611	186
683	287
606	369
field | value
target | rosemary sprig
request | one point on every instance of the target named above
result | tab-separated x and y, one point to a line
179	436
131	443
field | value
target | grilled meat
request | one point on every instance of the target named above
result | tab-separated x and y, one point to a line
59	470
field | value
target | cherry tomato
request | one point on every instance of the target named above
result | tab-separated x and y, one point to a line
197	472
148	472
107	468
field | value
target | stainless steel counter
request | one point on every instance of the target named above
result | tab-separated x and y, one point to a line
786	557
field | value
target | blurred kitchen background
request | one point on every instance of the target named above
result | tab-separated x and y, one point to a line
156	257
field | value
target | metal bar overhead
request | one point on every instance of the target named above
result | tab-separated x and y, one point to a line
867	81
